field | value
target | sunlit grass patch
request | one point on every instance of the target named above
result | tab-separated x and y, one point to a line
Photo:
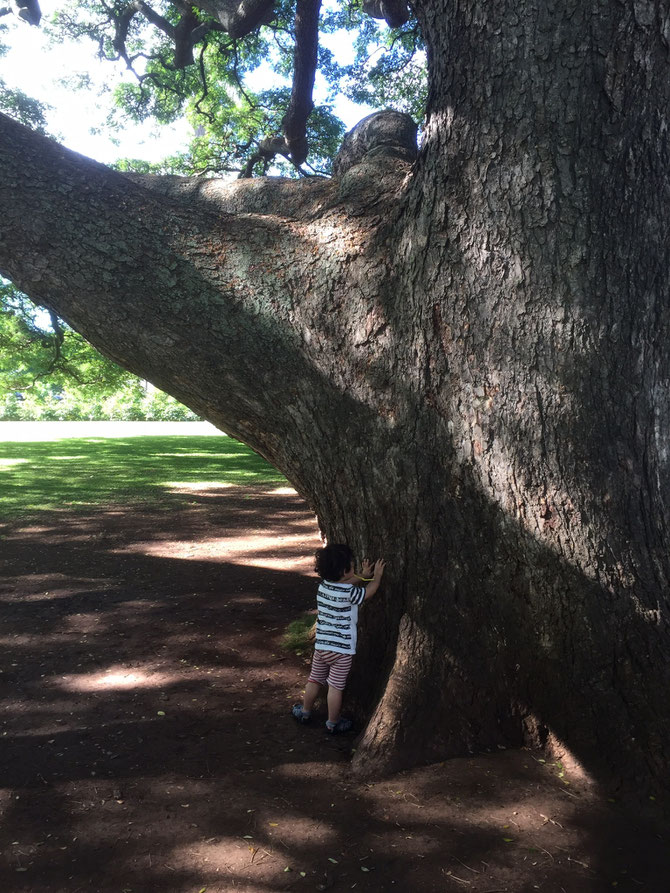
79	472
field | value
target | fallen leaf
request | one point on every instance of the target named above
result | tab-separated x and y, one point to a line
334	861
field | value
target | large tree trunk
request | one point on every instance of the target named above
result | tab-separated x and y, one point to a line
462	366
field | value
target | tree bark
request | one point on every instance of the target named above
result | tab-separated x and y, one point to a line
460	363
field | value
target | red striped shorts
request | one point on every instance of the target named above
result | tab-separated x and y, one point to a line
331	667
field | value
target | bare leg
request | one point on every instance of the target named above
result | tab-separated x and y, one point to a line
334	703
312	690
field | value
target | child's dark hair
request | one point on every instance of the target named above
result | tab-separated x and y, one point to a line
333	561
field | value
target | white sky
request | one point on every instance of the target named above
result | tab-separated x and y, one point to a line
78	116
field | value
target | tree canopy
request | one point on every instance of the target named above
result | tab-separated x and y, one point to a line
17	103
244	73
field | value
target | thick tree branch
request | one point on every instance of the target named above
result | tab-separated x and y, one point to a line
238	17
395	12
265	153
121	26
30	11
164	275
304	71
155	18
185	34
184	39
188	32
196	295
151	286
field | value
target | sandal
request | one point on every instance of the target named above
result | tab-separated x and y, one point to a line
342	725
297	714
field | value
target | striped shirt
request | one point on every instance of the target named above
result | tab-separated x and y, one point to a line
338	616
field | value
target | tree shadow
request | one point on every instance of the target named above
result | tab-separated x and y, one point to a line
146	743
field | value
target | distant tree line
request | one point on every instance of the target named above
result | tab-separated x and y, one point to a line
48	372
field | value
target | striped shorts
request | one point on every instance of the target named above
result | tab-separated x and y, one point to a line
330	668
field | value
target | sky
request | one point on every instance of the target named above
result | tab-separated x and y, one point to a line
78	116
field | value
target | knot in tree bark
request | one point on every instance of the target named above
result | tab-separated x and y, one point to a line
396	12
382	133
29	11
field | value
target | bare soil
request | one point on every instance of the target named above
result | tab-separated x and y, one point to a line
146	743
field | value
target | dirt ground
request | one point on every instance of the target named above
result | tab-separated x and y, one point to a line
146	743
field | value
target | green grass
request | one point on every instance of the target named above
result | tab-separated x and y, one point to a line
298	636
79	472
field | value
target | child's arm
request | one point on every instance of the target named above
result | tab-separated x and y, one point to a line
377	572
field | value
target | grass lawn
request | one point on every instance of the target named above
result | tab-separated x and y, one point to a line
51	465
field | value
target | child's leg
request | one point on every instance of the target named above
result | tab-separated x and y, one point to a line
337	680
317	678
312	690
334	703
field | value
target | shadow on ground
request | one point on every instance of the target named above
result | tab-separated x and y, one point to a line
145	742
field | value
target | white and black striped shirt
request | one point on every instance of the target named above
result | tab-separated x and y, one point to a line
338	616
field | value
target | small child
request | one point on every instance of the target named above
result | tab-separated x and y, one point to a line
338	597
